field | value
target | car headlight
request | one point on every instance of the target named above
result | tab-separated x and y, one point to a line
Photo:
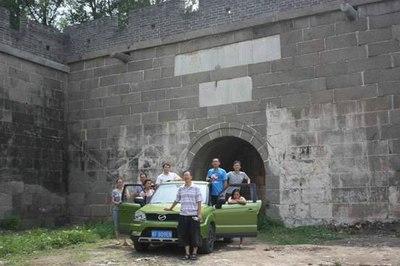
139	216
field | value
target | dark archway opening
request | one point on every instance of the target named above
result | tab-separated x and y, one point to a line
229	149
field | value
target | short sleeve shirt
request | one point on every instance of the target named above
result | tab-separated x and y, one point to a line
189	197
236	178
218	177
164	178
116	195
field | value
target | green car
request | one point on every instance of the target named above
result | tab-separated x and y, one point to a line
150	224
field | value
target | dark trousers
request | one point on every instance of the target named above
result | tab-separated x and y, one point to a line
214	200
189	231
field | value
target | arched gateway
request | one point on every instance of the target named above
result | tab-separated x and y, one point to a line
228	142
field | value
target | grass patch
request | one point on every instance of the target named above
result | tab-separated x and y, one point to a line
274	232
16	244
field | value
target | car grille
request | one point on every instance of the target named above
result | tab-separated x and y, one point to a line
168	217
147	232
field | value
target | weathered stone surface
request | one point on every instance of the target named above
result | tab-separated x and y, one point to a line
313	102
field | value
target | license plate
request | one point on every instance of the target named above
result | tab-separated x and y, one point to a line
161	234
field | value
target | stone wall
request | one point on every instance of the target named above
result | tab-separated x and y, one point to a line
169	18
326	110
34	38
33	176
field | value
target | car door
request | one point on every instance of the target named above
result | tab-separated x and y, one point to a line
130	204
234	220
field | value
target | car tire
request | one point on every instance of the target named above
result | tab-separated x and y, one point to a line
139	247
208	243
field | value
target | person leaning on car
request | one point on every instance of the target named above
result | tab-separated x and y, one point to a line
190	198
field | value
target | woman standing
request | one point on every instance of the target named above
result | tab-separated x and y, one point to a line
116	198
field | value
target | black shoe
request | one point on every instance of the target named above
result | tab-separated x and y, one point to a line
186	257
193	257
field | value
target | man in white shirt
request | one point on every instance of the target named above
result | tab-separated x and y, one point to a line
167	175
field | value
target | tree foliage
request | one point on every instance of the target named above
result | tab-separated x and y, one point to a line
62	13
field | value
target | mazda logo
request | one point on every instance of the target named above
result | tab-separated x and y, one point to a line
162	217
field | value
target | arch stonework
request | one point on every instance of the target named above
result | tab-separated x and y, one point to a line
219	130
271	198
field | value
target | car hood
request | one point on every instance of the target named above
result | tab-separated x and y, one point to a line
159	208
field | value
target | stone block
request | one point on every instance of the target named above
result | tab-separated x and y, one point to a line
384	47
360	24
343	54
355	93
321	210
308	47
97	133
100	210
196	78
153	95
151	74
292	36
282	64
341	41
306	60
225	91
167	72
109	70
162	105
326	18
76	198
319	32
140	65
140	107
377	104
249	52
228	73
149	118
166	50
322	97
376	35
379	147
296	100
186	91
343	81
384	21
117	110
334	69
166	61
189	102
97	62
167	83
390	132
116	90
376	62
394	117
167	116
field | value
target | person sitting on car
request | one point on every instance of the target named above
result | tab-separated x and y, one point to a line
236	198
142	179
147	192
167	175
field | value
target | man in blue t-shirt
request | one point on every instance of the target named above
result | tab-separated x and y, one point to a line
218	178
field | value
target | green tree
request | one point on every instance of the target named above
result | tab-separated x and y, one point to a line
45	12
16	8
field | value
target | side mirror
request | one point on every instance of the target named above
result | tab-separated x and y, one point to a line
139	200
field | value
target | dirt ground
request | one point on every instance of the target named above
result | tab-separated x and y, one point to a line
361	249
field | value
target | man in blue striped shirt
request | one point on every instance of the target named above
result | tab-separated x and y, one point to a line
189	195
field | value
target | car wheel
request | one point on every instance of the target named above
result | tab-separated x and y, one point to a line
208	243
139	247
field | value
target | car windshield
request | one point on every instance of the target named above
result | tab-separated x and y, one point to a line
166	193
